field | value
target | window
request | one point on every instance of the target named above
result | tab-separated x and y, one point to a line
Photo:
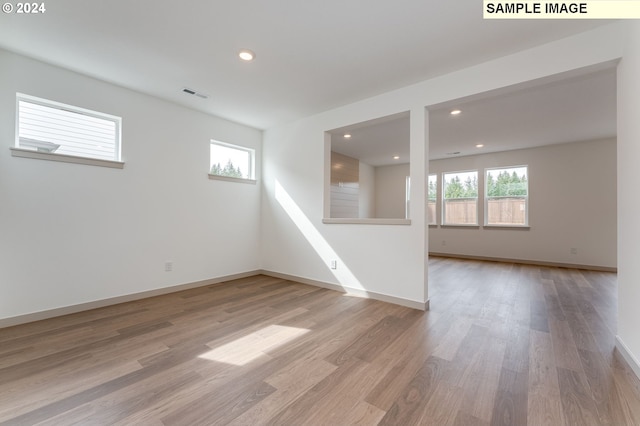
231	162
432	199
53	128
407	196
506	200
460	198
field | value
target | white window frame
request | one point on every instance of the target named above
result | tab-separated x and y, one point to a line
30	149
443	208
487	198
252	163
435	200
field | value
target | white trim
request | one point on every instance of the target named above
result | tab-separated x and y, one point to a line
443	200
507	227
526	262
487	198
413	304
370	221
628	356
252	159
232	179
66	310
73	109
63	158
51	313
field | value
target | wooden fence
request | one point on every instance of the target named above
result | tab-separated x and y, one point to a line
500	211
506	211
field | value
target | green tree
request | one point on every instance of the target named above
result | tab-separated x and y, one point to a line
471	187
506	184
433	191
216	169
454	188
492	187
228	170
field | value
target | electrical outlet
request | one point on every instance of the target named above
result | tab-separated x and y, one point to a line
444	242
334	264
168	266
573	250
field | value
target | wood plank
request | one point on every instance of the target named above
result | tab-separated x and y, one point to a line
503	344
577	403
544	407
407	358
408	407
511	402
564	347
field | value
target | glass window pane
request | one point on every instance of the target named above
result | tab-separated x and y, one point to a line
432	199
460	198
507	191
231	160
48	126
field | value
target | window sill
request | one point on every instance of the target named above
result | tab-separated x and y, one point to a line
524	227
232	179
469	226
37	155
357	221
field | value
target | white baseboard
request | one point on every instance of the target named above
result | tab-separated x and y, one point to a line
633	362
527	262
414	304
56	312
50	313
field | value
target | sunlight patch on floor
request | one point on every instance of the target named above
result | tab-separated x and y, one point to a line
248	348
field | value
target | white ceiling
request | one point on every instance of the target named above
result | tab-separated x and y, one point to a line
568	109
577	108
311	56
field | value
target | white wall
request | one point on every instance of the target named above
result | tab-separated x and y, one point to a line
367	194
108	232
391	183
71	234
628	200
572	204
388	259
296	242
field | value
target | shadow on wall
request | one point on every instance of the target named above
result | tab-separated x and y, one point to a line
345	277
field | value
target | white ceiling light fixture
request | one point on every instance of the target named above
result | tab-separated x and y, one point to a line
347	136
479	145
396	157
455	112
246	55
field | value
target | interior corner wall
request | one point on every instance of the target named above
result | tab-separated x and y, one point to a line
367	194
387	259
380	260
73	234
628	201
564	212
390	183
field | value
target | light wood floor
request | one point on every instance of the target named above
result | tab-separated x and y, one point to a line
503	344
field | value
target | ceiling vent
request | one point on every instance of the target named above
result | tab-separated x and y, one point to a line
193	92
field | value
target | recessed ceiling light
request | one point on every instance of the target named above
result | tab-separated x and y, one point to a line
479	145
246	55
455	112
396	157
347	136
